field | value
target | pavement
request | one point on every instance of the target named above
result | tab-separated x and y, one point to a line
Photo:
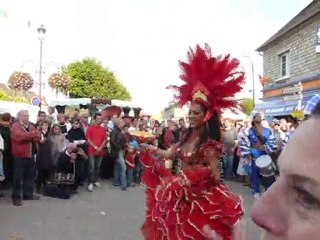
105	214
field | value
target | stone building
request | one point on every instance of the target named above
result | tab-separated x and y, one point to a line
290	57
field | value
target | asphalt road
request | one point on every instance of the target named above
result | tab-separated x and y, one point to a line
106	214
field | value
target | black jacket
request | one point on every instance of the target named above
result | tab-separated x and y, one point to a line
117	141
76	134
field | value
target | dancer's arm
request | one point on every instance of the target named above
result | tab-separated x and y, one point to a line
214	161
169	153
210	152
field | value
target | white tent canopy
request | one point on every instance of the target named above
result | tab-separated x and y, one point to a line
14	107
70	102
236	115
121	103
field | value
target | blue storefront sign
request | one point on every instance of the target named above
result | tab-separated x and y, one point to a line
283	108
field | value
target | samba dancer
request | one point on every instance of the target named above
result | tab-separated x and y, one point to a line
188	204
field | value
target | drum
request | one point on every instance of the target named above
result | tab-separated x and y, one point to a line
266	166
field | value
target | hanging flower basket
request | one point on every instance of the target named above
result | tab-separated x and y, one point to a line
20	81
59	81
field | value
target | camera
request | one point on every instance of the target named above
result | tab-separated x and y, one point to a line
76	150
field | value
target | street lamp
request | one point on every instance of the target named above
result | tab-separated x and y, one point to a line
26	62
41	31
253	82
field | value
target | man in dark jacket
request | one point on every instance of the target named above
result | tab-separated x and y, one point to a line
24	137
118	144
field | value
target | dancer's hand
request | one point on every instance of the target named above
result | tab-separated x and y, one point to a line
211	234
148	148
238	233
73	157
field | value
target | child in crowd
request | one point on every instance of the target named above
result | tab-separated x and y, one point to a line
58	142
130	163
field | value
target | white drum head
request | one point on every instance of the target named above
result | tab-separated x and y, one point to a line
263	161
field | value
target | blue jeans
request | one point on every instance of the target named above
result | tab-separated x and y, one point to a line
23	177
129	177
94	167
255	179
137	170
228	165
119	172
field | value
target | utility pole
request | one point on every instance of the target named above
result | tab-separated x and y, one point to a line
41	30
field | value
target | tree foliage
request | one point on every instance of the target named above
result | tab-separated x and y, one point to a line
247	105
5	97
90	79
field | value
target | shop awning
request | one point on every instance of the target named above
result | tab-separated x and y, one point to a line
283	108
311	104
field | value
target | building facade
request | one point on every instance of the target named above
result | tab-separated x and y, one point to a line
292	57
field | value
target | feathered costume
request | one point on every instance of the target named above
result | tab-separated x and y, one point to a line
179	206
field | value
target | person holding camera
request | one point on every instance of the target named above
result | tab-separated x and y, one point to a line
66	165
77	136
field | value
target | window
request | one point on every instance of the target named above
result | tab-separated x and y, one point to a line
284	65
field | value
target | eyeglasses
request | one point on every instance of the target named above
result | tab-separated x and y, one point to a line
76	123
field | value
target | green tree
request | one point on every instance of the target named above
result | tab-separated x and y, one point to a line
247	105
5	97
90	79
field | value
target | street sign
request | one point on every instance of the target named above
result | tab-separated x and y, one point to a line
35	101
292	97
291	90
298	114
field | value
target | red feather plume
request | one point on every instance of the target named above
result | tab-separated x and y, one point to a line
216	79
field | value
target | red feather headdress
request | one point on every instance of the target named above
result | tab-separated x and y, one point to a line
212	81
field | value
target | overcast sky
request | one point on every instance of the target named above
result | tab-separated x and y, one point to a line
140	40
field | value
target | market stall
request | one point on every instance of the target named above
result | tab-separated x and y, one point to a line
236	115
14	107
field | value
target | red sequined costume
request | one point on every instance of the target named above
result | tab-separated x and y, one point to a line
179	206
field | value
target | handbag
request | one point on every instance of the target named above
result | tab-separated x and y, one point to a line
65	178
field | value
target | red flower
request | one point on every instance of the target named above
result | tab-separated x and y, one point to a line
20	81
